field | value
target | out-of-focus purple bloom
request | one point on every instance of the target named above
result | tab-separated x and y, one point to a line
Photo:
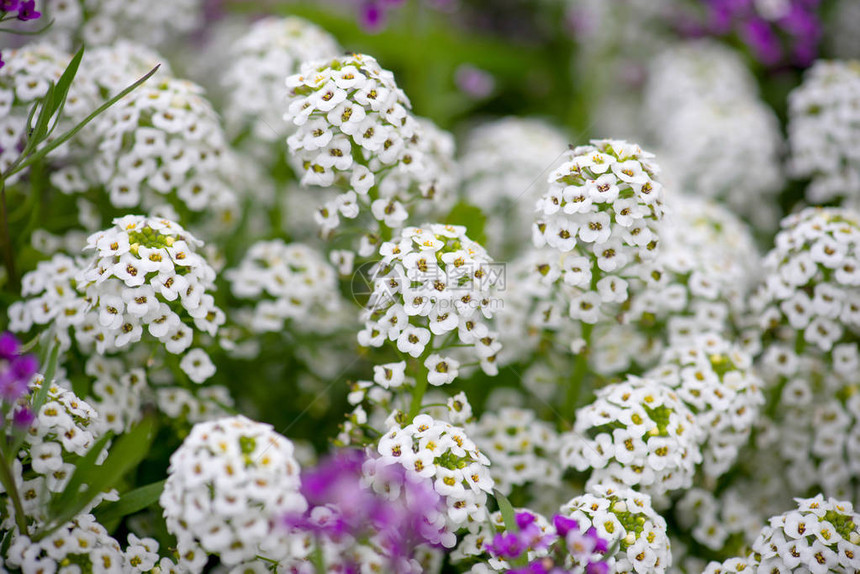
9	346
759	36
597	568
788	33
23	418
15	370
555	549
345	499
9	5
372	16
507	545
563	524
474	82
28	11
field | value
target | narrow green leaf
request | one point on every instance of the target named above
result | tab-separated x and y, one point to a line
37	131
65	82
470	217
67	497
508	517
130	502
507	511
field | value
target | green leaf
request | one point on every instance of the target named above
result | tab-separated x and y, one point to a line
65	81
61	91
40	129
130	502
66	498
125	454
507	510
472	218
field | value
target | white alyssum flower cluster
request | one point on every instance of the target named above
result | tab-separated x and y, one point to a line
504	163
442	453
82	542
708	253
99	22
820	536
601	211
694	71
104	72
814	428
52	299
715	379
117	393
638	432
434	286
65	427
824	131
714	136
23	80
271	49
625	516
715	521
811	286
289	282
533	303
226	484
163	147
147	273
708	265
353	129
521	448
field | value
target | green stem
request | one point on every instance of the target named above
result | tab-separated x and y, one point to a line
12	490
8	252
418	393
317	559
578	387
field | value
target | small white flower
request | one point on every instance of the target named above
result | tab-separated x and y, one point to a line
441	370
197	365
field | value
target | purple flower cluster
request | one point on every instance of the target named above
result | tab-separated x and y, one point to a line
787	35
16	370
362	500
26	9
567	549
23	10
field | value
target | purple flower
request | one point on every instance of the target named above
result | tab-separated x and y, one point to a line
9	345
474	82
789	30
372	17
28	11
506	545
759	35
15	370
23	417
9	5
563	524
400	512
